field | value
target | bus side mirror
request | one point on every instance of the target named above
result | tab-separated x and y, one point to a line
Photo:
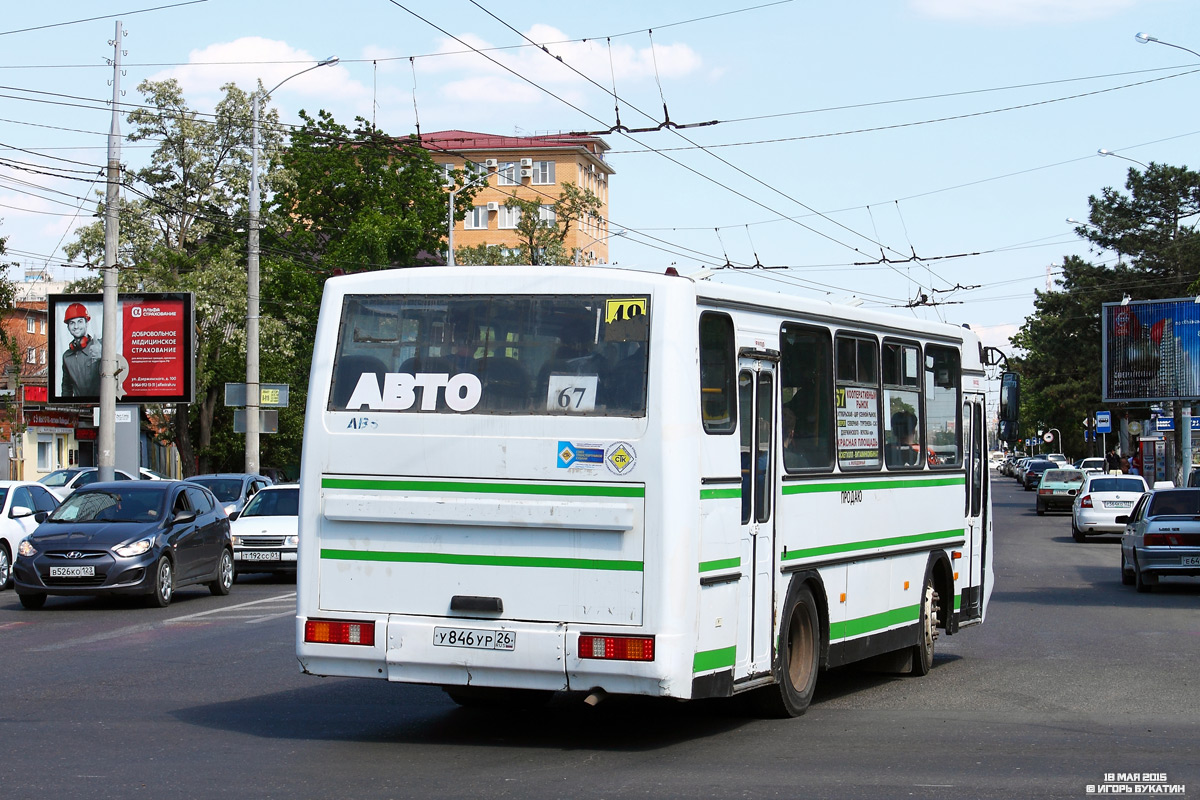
1010	404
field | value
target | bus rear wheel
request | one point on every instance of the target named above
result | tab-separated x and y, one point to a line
799	657
922	653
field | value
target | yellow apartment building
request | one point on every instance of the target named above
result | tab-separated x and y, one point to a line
534	168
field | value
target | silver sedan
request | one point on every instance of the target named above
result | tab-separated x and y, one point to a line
1162	538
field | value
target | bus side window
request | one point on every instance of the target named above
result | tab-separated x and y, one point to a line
943	405
718	406
806	389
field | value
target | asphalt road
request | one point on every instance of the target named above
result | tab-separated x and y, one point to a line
1071	677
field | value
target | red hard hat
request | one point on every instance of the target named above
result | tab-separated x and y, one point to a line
75	311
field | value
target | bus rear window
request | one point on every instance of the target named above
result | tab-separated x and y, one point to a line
540	354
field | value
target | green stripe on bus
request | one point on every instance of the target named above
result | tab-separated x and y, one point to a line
720	563
871	545
867	485
958	602
874	622
483	561
721	494
713	659
560	489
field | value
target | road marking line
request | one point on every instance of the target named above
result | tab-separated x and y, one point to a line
227	609
271	616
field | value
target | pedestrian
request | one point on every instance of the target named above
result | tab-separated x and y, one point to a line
1112	462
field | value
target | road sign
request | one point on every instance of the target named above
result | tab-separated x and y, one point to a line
268	420
270	395
1048	437
1103	422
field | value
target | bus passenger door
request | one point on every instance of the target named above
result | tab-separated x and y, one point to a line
756	395
975	508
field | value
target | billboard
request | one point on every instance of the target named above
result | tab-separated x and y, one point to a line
155	347
1151	350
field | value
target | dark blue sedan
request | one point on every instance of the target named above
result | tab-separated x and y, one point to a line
128	537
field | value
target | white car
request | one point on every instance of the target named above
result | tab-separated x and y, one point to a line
1102	499
23	506
62	482
1058	458
265	532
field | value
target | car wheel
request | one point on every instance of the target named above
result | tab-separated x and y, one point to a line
32	601
6	567
1126	578
799	659
1041	510
1077	534
164	584
220	587
1140	579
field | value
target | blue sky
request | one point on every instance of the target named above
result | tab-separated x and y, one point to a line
848	131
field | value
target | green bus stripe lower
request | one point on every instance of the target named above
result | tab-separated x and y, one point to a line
874	622
713	659
483	561
958	602
720	563
558	489
870	485
871	545
721	494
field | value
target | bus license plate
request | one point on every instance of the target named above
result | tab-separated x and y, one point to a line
1191	561
258	555
72	572
479	640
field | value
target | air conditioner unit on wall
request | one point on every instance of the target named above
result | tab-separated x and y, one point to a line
491	162
526	173
526	162
493	206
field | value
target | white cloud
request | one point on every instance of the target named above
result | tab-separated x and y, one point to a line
250	59
556	68
1020	11
997	336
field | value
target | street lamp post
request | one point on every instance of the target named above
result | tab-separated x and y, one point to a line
1104	152
252	386
1185	418
450	227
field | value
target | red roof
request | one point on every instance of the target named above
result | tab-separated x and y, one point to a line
470	140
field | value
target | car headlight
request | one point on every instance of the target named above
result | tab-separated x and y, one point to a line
232	507
236	540
135	548
293	541
26	548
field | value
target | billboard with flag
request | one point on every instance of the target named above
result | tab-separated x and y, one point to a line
1151	350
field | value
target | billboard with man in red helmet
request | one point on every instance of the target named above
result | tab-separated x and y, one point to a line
154	348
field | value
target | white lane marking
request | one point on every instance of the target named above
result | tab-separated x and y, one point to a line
227	609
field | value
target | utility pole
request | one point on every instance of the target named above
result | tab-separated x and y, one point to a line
107	435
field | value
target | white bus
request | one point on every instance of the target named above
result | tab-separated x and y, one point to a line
522	480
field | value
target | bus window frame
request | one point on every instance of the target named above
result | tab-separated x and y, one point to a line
838	382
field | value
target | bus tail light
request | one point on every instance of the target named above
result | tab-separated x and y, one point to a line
617	648
1085	501
334	631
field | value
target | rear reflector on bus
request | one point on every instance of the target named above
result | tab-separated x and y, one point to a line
333	631
617	648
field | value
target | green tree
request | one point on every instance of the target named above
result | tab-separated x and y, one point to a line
1158	257
543	236
183	232
10	354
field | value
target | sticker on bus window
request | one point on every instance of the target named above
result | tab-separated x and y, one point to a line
460	392
567	394
580	455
